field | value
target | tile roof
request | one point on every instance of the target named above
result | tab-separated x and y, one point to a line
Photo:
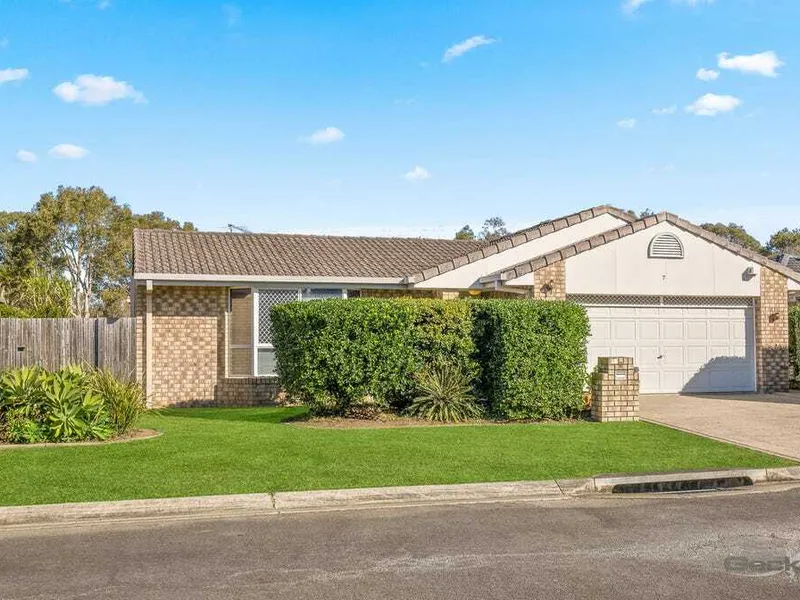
612	235
788	260
513	240
251	255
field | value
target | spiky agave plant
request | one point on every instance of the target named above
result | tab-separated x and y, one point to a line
444	394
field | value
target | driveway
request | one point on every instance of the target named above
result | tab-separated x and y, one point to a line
768	422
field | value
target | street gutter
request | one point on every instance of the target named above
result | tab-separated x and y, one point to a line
359	498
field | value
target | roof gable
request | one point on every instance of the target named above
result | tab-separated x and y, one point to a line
613	235
516	239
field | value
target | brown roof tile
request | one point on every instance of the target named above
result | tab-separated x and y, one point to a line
242	254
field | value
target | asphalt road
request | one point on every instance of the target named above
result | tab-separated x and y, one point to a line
664	547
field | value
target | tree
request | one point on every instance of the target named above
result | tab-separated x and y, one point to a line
40	295
785	241
465	233
736	234
493	229
86	235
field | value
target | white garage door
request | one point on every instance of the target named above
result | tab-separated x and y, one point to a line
679	345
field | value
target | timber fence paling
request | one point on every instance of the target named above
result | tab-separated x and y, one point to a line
56	343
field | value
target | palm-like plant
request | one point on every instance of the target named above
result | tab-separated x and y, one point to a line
444	394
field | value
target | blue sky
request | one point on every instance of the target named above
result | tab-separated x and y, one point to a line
352	117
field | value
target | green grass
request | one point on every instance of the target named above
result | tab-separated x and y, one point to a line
229	451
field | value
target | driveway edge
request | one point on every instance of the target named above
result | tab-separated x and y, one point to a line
359	498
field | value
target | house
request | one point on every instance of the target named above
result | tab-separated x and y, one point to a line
696	312
793	262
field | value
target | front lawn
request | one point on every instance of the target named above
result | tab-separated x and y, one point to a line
231	451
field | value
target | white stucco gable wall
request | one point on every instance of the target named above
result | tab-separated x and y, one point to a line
467	276
794	286
623	267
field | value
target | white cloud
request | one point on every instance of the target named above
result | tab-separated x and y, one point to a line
7	75
325	136
765	63
627	123
233	14
667	110
96	90
68	151
711	105
707	74
631	6
418	173
104	4
462	48
26	156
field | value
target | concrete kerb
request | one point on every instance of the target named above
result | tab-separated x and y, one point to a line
327	500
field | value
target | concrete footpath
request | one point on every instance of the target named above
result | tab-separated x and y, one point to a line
327	500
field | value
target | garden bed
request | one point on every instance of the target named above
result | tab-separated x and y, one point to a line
130	436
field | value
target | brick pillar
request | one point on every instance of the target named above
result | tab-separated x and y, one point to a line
550	282
772	333
615	390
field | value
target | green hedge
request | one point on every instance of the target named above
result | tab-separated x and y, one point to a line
533	356
794	342
12	312
526	359
335	352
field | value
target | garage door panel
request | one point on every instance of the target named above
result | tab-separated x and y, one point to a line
696	356
696	330
648	329
692	349
624	330
672	330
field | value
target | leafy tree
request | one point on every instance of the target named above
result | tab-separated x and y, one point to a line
86	235
493	228
736	234
785	241
465	233
40	295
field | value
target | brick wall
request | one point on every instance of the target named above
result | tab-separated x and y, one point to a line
772	333
189	351
615	390
550	283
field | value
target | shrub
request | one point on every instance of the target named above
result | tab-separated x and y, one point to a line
331	353
533	357
445	394
124	400
71	404
794	342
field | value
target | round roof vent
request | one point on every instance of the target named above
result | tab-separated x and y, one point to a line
665	245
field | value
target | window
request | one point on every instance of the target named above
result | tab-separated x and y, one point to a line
240	332
266	299
665	245
251	347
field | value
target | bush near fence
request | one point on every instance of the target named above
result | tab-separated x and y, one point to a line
525	359
794	343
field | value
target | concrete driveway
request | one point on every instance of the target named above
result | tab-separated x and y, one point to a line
768	422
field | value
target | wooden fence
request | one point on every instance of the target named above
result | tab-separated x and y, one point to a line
55	343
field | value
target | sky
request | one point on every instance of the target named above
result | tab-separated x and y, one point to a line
405	117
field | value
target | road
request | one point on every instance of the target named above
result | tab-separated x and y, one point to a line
671	546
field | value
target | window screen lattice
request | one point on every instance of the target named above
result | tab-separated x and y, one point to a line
678	301
266	300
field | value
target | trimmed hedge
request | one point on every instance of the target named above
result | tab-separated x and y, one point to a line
333	353
526	359
794	343
533	356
